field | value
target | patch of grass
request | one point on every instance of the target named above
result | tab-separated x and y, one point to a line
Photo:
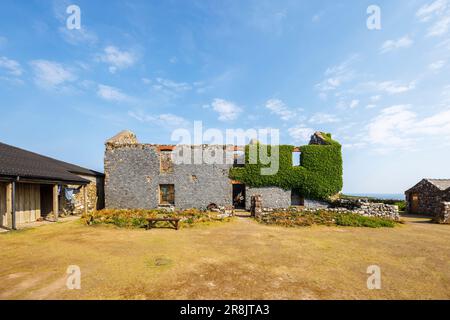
354	220
137	218
324	217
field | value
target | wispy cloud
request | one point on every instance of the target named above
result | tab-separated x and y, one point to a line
117	59
11	67
227	110
78	36
336	76
167	120
167	84
323	118
390	87
50	74
428	11
279	108
390	45
437	65
438	13
300	134
401	127
111	94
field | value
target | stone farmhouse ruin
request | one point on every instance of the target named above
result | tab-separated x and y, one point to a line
145	176
432	197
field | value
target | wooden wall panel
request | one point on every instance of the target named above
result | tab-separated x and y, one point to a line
28	203
3	217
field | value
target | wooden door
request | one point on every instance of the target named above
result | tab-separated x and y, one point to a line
414	203
167	194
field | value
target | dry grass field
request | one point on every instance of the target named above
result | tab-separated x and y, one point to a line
237	260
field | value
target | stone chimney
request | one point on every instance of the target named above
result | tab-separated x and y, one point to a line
318	139
125	137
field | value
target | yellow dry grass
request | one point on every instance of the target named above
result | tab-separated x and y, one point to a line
237	260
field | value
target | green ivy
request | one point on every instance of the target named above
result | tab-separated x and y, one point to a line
319	175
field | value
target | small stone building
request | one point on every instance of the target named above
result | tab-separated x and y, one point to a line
34	187
144	176
431	197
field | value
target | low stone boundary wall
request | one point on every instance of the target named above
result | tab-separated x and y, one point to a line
360	207
444	215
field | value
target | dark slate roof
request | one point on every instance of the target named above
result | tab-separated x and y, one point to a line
25	164
442	184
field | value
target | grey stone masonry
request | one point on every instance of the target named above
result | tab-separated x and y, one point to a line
272	197
133	179
444	215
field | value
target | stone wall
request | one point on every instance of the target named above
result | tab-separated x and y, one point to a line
95	197
366	208
430	198
133	177
443	217
272	197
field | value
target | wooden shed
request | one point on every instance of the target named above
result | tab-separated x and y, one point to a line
32	185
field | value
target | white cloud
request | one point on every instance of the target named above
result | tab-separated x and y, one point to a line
301	134
439	13
437	65
375	98
390	45
336	76
78	36
110	93
371	106
164	120
400	127
391	87
388	128
11	67
49	74
426	12
171	85
354	104
440	27
227	110
278	107
117	59
322	118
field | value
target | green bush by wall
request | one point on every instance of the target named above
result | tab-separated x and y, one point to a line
319	175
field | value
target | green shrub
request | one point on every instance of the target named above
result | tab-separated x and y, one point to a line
354	220
323	217
401	205
318	177
138	218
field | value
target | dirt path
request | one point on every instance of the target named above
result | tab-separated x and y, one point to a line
236	260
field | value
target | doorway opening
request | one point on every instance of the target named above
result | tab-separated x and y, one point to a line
239	196
414	203
46	200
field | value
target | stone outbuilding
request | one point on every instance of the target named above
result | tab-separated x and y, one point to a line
431	197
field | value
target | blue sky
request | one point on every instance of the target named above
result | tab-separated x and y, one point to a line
300	66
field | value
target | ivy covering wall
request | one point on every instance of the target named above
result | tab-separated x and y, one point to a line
319	175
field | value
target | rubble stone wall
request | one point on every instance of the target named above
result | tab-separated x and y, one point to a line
430	199
443	217
133	177
95	197
272	197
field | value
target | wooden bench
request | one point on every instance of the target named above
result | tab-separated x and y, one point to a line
153	221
